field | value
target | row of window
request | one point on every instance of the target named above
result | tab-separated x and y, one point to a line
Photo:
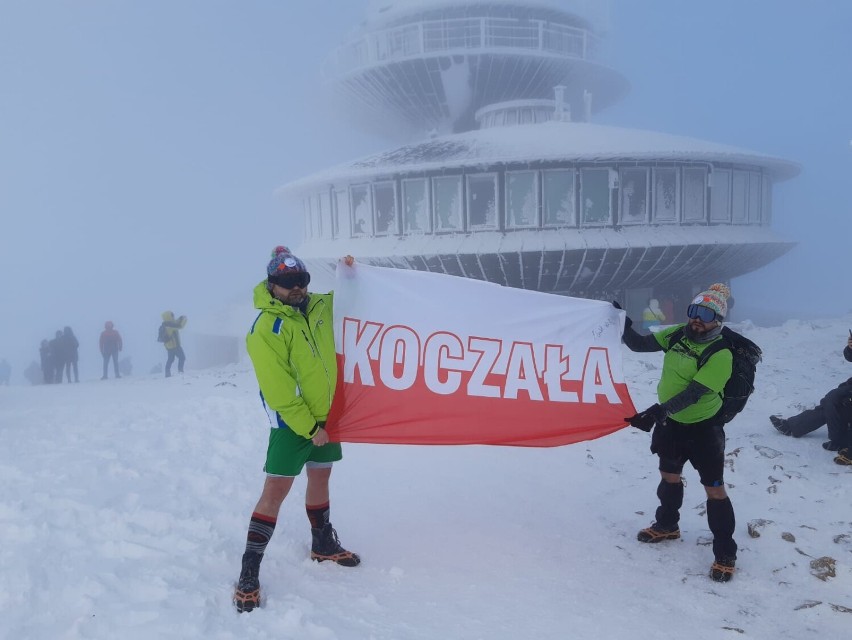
530	199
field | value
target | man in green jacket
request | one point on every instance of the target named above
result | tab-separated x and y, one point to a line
688	424
291	345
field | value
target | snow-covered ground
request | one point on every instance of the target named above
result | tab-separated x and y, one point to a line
124	508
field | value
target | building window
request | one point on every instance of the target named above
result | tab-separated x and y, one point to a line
739	199
694	194
595	196
447	201
521	199
415	206
766	204
362	215
720	196
316	217
306	210
482	201
325	214
666	196
634	195
559	206
754	197
340	214
384	203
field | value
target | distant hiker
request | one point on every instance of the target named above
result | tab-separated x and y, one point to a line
70	354
46	361
652	316
57	358
110	344
291	345
689	426
5	372
169	335
835	410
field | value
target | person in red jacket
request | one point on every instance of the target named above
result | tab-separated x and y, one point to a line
110	344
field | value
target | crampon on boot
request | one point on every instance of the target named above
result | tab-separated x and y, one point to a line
658	533
326	546
247	593
844	457
722	570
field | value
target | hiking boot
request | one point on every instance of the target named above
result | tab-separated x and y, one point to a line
658	533
830	445
722	570
247	593
844	457
781	424
326	546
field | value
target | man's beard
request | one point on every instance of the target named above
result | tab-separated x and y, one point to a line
705	335
293	298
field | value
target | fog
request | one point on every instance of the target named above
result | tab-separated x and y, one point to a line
141	146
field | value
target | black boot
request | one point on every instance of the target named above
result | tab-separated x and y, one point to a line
247	593
781	424
668	514
720	517
844	456
326	546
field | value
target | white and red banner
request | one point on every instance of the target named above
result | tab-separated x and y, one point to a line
425	358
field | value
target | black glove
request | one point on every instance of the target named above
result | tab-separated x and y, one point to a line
627	321
647	419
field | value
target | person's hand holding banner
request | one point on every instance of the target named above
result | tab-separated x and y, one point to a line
647	419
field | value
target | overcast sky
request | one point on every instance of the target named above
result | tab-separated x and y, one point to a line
141	144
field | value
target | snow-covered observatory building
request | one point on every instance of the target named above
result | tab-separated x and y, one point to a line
502	176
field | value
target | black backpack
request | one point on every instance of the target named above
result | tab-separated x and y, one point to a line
162	334
740	385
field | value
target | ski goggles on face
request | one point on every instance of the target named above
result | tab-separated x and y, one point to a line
705	314
300	279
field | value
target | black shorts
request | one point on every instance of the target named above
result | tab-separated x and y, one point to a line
702	444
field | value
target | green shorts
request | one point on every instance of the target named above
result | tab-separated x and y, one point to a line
288	452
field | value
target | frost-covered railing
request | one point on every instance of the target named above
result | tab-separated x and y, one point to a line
462	35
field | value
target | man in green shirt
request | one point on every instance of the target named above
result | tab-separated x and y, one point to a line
689	427
291	345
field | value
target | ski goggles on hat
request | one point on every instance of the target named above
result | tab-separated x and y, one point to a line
705	314
300	279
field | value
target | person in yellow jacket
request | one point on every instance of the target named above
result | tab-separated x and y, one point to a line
652	315
291	345
170	337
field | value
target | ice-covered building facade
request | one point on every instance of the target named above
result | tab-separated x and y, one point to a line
510	182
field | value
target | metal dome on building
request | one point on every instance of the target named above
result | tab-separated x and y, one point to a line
522	189
430	65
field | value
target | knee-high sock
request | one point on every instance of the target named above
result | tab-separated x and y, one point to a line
259	532
720	517
671	499
318	515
